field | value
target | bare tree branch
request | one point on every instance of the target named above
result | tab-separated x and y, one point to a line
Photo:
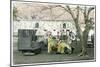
64	8
90	19
89	10
77	12
82	10
70	11
59	15
50	7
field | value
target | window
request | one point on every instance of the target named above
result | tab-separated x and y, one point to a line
37	25
64	25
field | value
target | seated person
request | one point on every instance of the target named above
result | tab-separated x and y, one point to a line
63	47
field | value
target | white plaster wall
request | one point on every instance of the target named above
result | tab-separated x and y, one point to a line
48	25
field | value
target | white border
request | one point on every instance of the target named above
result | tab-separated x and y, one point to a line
46	63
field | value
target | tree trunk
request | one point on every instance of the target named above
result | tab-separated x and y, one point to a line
83	36
83	42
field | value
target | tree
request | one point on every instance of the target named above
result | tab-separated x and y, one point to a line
14	13
83	35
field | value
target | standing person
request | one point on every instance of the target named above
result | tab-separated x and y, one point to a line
92	39
49	43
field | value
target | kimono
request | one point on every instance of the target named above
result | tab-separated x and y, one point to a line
61	48
51	43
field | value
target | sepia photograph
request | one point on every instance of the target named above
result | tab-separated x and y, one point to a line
49	33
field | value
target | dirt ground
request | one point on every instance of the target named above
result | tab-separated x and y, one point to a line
19	58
